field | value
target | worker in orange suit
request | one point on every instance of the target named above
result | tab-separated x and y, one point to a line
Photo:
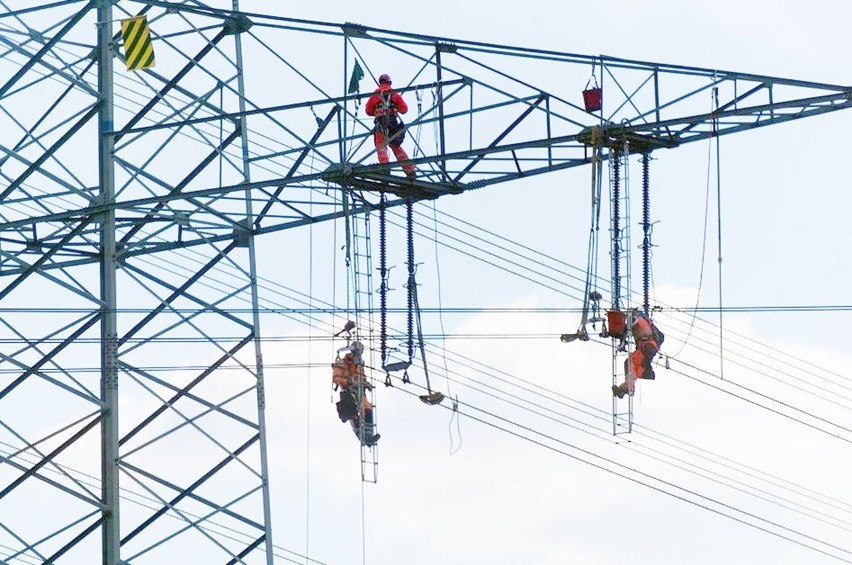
385	105
348	375
647	339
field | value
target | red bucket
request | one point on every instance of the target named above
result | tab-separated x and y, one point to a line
593	99
617	322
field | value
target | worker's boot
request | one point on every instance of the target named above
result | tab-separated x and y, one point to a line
619	390
371	440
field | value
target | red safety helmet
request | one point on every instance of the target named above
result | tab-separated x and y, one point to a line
384	78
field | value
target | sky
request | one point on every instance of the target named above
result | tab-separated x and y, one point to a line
529	471
500	499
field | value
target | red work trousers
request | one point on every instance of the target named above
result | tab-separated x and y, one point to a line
398	151
640	361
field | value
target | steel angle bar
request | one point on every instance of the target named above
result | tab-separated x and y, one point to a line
196	8
506	177
55	382
47	6
724	107
49	457
178	292
56	264
192	421
202	101
469	81
32	547
500	137
268	111
249	548
799	108
178	188
658	107
297	163
77	539
205	306
189	519
36	165
34	344
14	154
34	369
201	522
65	72
26	547
35	59
23	265
628	98
187	319
184	392
208	138
188	491
191	107
59	469
35	267
169	85
548	94
29	133
91	499
776	120
188	387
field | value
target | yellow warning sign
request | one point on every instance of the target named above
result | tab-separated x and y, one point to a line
138	48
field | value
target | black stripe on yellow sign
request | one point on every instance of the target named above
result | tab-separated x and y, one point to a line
138	48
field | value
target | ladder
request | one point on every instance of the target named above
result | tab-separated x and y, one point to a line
619	192
361	272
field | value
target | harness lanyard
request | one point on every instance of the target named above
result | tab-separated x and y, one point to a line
387	97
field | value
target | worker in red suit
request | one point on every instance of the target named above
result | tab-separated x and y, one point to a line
647	339
385	105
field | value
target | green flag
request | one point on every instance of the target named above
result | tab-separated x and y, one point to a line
357	75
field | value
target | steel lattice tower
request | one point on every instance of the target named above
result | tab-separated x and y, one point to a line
131	376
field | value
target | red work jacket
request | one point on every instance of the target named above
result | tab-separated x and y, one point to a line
376	105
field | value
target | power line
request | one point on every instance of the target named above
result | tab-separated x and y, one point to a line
635	477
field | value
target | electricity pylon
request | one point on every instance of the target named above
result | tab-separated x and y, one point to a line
131	377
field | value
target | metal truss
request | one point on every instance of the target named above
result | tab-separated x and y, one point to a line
129	207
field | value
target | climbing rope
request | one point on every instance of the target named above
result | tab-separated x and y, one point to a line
719	224
591	296
419	123
455	413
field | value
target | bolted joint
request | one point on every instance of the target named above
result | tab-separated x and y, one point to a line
242	233
237	25
120	255
354	30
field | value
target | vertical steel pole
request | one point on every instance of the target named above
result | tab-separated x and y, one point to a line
342	147
109	327
549	132
444	176
261	394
